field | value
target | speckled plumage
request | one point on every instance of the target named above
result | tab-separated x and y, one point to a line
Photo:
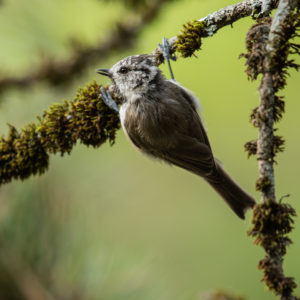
160	118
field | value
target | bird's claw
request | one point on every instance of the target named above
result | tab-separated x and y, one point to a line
165	48
108	100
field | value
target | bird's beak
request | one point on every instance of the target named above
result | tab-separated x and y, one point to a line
104	72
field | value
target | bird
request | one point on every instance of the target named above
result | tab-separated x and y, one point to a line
160	118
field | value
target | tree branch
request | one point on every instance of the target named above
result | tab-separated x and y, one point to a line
187	42
267	101
120	38
63	72
90	121
86	119
269	45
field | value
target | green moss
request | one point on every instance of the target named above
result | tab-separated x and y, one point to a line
274	279
278	144
85	119
279	108
271	223
251	147
254	116
189	40
282	52
263	184
256	39
272	218
21	154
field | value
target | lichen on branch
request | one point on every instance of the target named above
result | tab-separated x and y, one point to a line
269	44
273	65
85	119
189	40
271	223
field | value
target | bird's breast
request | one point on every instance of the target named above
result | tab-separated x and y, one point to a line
148	123
138	117
123	114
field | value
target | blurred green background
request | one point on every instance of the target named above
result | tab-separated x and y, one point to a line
109	223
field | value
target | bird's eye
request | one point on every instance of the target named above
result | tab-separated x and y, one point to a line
123	70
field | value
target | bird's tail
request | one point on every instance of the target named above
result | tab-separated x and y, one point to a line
238	199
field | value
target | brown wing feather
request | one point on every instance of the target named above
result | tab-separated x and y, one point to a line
171	130
196	128
193	156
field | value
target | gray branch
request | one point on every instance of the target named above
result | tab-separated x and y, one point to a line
221	18
284	9
267	98
230	14
266	6
266	136
266	114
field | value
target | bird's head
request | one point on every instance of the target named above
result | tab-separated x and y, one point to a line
133	75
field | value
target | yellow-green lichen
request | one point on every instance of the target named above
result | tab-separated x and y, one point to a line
251	147
263	184
189	40
271	223
278	144
279	108
85	119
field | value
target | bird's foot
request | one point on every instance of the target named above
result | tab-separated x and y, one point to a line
108	100
165	47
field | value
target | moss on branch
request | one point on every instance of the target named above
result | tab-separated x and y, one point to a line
270	225
85	119
189	40
269	44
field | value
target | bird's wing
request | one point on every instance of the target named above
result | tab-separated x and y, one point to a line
195	127
188	95
193	156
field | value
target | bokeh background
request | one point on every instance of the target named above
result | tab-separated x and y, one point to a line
109	223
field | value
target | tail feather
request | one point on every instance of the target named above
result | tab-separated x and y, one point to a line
237	198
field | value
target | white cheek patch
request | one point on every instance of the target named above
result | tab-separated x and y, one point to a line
122	118
121	84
